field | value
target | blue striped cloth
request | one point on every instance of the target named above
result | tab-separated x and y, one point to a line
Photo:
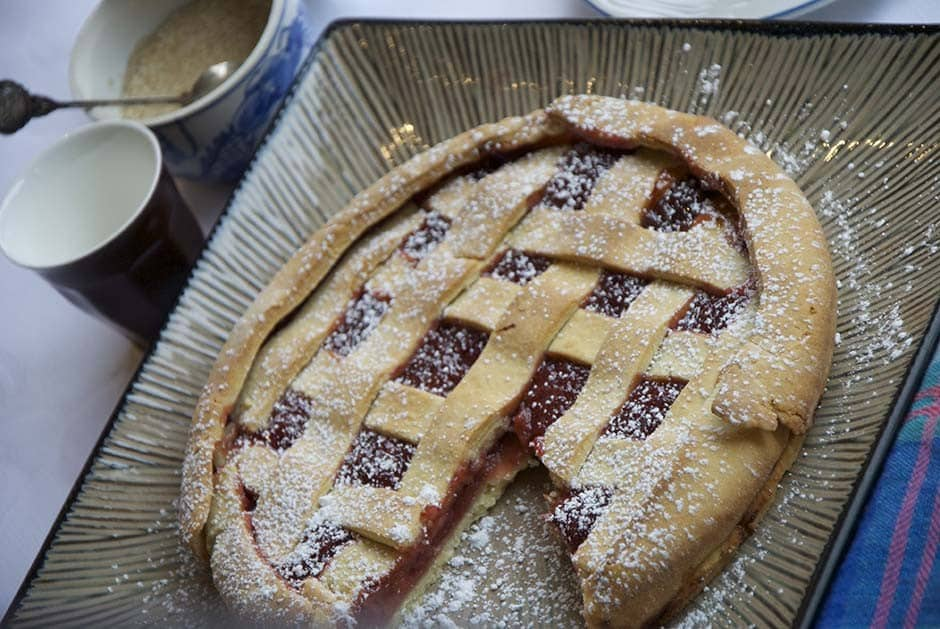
890	576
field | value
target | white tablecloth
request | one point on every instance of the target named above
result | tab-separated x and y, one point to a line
62	372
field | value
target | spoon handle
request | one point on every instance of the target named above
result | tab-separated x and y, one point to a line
18	106
141	100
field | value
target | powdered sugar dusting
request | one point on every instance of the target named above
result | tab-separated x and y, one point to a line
709	81
479	585
888	339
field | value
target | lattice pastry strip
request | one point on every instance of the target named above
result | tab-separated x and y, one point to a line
700	256
626	188
628	349
681	355
387	277
453	196
382	514
506	197
343	576
483	303
403	412
582	337
228	507
256	465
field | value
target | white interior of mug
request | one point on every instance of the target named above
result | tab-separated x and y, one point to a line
79	194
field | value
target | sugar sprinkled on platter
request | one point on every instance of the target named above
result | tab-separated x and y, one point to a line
478	586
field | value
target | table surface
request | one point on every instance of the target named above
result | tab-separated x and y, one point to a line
62	372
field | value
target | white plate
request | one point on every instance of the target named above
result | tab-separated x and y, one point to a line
740	9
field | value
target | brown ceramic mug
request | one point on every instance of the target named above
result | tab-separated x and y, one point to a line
99	218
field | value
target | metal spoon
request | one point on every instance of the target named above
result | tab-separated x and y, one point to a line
18	106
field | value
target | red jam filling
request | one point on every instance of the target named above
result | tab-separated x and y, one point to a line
249	500
517	267
707	313
484	168
680	203
377	604
680	206
552	390
443	358
576	513
375	459
492	161
581	167
320	544
362	315
489	163
614	293
645	408
287	423
422	240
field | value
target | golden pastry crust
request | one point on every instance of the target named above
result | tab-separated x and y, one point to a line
680	500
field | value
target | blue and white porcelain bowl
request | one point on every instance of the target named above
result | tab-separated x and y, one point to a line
214	137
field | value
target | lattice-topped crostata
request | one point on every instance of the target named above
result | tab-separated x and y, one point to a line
634	298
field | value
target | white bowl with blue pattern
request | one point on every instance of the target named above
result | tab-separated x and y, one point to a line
214	137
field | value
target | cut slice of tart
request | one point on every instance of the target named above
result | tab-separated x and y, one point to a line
632	297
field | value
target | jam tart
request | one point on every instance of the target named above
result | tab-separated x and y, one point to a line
632	297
